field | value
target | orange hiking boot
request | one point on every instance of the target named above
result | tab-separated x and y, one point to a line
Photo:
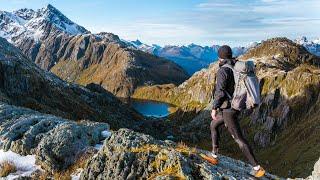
212	160
258	171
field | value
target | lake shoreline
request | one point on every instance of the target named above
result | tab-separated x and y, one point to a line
150	108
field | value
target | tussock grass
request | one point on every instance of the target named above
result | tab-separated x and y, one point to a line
6	168
79	164
146	148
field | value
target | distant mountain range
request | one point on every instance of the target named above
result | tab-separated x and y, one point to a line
26	26
312	46
190	57
195	57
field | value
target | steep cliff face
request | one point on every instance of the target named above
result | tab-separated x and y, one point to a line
290	82
57	44
22	83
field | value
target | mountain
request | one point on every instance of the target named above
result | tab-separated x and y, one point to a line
281	128
36	25
60	147
312	46
191	57
57	44
22	83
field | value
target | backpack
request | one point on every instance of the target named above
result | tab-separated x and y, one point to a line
247	88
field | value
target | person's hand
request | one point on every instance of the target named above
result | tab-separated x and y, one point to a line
214	114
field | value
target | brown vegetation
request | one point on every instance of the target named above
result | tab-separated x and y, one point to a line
6	168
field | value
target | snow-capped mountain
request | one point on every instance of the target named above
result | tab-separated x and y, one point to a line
312	46
191	57
27	23
28	29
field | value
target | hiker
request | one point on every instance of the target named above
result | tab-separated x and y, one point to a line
224	113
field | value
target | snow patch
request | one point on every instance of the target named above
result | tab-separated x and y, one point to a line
76	175
27	23
105	134
25	165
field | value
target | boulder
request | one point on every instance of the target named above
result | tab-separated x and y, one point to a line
131	155
57	142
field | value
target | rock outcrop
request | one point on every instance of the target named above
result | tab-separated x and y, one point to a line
22	83
56	142
315	172
130	155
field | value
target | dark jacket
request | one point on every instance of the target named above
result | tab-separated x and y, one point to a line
224	84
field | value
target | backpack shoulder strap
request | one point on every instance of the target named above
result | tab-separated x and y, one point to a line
228	66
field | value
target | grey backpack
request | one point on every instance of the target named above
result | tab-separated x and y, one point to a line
247	88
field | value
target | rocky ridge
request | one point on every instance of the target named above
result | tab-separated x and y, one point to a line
22	83
57	44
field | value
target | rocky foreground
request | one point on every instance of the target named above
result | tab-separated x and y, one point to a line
130	155
63	148
58	144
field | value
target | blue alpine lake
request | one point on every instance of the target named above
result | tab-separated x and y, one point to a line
151	108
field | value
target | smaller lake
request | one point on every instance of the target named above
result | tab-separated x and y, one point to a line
151	108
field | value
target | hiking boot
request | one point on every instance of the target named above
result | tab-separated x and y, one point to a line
212	158
258	171
213	155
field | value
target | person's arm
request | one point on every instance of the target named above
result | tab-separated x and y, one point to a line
220	88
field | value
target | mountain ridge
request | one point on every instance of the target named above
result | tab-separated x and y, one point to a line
191	57
84	58
22	83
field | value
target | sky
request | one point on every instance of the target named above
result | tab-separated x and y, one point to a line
180	22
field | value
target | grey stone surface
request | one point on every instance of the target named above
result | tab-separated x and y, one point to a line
131	155
57	142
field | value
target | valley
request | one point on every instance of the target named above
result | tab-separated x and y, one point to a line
93	105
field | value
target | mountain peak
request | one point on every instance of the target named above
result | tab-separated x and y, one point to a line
35	24
137	42
302	40
281	53
25	13
50	10
49	6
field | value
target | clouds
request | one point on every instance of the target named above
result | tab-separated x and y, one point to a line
153	32
235	22
239	22
206	22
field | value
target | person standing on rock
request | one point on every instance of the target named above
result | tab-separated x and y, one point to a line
223	113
